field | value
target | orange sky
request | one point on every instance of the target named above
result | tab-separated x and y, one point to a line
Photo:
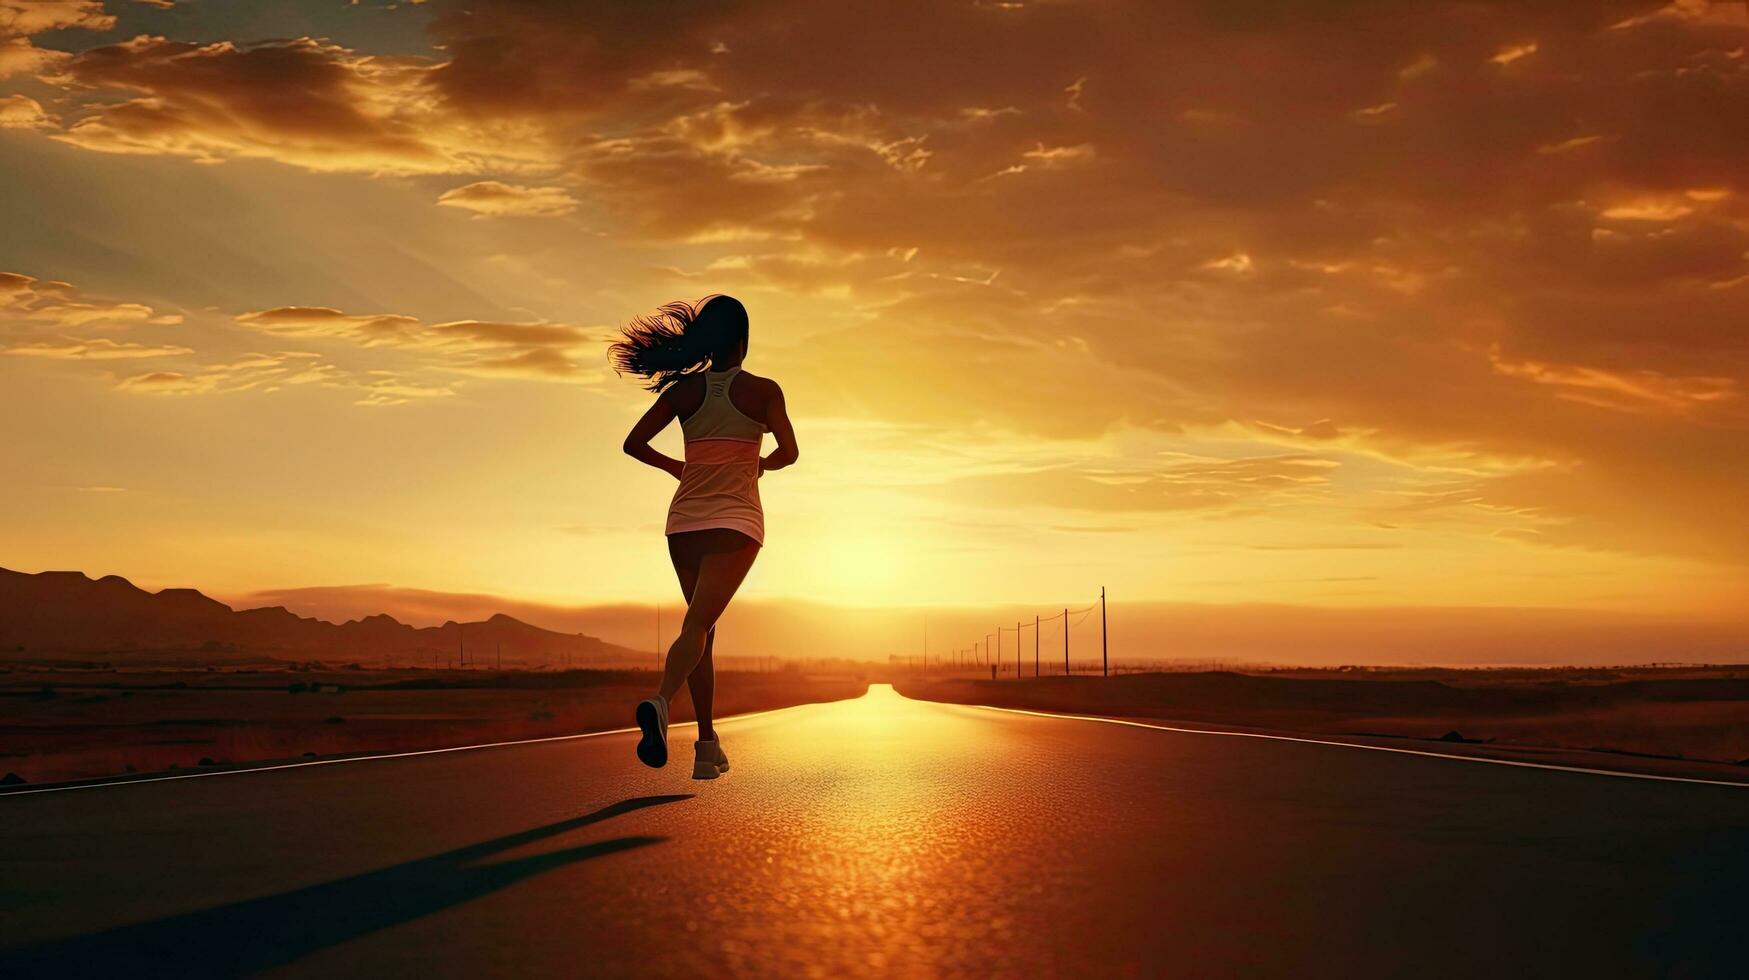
1365	304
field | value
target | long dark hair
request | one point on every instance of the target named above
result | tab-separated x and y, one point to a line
679	339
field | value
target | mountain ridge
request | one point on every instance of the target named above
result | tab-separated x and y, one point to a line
58	614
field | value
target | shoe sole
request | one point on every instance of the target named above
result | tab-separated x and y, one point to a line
706	771
652	748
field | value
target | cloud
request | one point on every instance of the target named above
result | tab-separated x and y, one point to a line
488	198
686	78
386	389
540	351
1732	13
530	363
99	349
302	101
1509	239
1512	52
1634	391
38	320
15	283
1058	156
322	321
481	333
22	112
39	317
270	373
250	372
21	18
167	383
37	303
1176	484
19	57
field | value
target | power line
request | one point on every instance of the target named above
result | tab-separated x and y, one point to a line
984	653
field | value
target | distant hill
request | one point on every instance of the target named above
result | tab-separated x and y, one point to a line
55	615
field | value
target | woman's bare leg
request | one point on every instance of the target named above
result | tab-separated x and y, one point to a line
702	682
719	575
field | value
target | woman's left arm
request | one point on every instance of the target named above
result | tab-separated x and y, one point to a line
777	420
637	444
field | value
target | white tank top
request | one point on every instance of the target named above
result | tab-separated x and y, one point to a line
719	486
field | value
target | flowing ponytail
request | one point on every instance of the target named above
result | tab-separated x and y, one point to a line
680	339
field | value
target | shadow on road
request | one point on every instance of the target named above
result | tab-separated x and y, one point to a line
261	933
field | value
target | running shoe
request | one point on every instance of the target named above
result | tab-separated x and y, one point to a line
709	762
653	719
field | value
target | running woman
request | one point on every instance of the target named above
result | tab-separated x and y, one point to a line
690	355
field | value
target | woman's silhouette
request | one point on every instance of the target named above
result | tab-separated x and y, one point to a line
691	356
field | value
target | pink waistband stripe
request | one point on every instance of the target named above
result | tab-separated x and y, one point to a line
721	450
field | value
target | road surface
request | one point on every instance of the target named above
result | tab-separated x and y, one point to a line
883	836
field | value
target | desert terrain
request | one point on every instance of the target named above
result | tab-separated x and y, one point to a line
1618	717
60	722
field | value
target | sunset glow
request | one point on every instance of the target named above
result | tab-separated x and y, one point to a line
937	488
1062	295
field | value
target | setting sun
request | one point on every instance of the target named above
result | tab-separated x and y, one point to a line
858	565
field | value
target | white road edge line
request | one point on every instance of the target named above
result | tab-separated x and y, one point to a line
142	780
1375	748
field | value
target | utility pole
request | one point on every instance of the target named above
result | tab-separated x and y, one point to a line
1017	665
1104	645
1065	641
461	648
1035	642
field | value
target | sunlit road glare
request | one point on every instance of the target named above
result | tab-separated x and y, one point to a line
887	836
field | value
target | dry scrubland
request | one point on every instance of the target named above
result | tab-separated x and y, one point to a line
62	724
1694	714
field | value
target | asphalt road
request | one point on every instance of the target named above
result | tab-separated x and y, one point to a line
884	836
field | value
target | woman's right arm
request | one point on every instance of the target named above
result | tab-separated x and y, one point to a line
777	420
637	444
